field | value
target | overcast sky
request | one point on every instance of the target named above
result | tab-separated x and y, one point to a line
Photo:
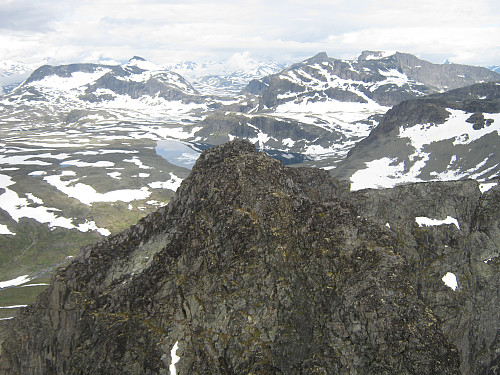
166	31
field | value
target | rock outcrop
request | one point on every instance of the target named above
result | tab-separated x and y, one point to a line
256	268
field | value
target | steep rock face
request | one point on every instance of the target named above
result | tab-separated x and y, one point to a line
258	268
469	249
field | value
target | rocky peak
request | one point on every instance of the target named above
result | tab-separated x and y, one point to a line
137	58
255	267
319	58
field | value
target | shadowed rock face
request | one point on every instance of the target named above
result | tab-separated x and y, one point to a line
258	268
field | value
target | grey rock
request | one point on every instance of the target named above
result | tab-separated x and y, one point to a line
470	315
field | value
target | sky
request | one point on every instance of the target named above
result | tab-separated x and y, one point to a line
245	31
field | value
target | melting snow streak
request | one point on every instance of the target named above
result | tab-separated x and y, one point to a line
425	221
174	358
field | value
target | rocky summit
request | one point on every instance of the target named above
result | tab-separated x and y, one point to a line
258	268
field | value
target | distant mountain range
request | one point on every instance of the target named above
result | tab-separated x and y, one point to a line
217	78
495	68
336	102
384	79
12	73
88	149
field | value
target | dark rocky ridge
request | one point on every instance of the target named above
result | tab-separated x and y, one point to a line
258	268
216	127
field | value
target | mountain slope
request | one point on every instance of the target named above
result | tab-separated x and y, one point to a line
254	267
440	137
97	83
373	77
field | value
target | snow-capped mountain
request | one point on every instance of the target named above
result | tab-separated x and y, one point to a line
222	79
110	85
448	136
100	95
12	74
495	68
385	79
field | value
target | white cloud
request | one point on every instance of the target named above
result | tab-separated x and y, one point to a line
168	31
459	44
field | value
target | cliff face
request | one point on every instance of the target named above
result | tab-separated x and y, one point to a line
467	248
258	268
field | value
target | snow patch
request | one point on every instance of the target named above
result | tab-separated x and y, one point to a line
14	282
174	358
450	280
172	184
30	285
5	230
86	194
115	175
34	199
76	80
378	55
18	207
425	221
37	173
484	187
91	226
135	160
83	164
380	173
